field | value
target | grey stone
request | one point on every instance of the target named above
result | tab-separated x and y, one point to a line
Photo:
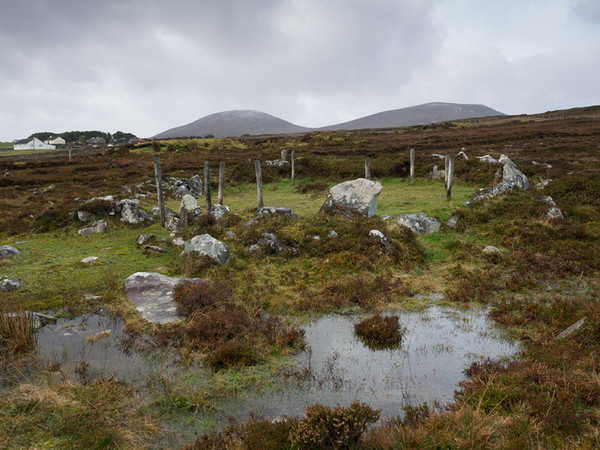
89	260
106	198
38	320
7	285
172	219
462	154
554	214
207	245
181	191
120	205
195	184
452	222
152	295
437	174
513	176
577	325
8	250
543	184
379	236
548	200
253	221
155	249
271	240
179	242
84	216
275	211
143	239
437	155
490	250
332	234
230	235
189	208
100	226
277	163
419	223
219	211
351	198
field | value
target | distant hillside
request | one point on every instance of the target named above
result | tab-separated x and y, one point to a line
417	115
233	124
239	122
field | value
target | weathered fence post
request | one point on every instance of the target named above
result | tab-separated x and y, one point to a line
159	189
450	177
259	185
221	183
368	167
412	165
446	163
70	158
293	158
207	186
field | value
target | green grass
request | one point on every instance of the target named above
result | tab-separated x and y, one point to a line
6	145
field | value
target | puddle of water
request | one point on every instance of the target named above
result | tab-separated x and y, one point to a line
438	346
92	346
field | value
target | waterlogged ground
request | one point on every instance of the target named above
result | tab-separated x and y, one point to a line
335	368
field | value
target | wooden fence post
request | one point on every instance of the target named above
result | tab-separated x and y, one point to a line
368	167
293	158
450	177
207	186
70	157
259	185
221	183
412	165
446	164
159	189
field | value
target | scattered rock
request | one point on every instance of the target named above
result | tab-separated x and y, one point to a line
8	250
419	223
207	245
253	221
38	320
276	211
272	241
195	184
379	236
155	249
190	209
172	219
491	250
452	222
548	200
543	184
437	155
89	260
181	191
511	175
100	226
332	234
462	154
84	216
143	239
132	214
437	174
577	325
277	163
219	211
554	214
351	198
179	242
7	285
152	295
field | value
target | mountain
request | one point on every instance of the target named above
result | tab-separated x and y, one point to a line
417	115
233	124
239	122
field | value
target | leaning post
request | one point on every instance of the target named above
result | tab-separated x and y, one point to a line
159	189
368	167
207	186
412	165
221	183
450	177
259	185
293	161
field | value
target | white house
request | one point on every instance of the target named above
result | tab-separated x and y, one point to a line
55	141
32	144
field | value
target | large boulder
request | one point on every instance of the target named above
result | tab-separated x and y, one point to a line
351	198
205	244
152	295
420	223
8	250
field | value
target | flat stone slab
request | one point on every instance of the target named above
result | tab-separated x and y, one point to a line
152	295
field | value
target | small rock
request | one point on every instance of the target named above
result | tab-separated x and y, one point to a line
91	297
89	260
195	184
554	214
99	226
378	235
181	191
271	240
490	249
437	155
7	285
207	245
386	217
452	222
84	216
190	209
219	211
145	239
178	241
155	249
134	215
419	223
8	250
462	154
276	211
487	159
332	234
548	200
543	184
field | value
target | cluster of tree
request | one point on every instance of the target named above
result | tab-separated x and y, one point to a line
74	136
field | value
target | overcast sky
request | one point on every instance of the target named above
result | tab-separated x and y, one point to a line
143	66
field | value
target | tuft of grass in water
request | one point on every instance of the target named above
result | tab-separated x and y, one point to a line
17	332
380	332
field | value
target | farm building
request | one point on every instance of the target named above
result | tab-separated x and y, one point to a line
55	140
32	144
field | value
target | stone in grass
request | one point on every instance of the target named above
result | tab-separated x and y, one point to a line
491	250
554	214
207	245
152	295
7	285
132	214
352	198
219	211
8	250
89	260
275	211
452	222
419	223
144	239
99	226
178	241
272	241
154	249
181	191
189	208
